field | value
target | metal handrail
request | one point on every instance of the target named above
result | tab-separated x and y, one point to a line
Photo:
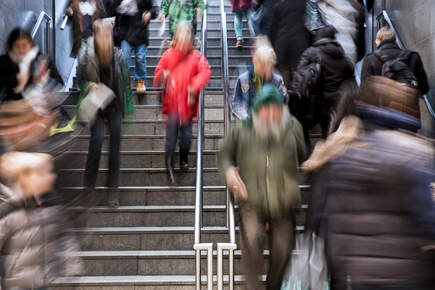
230	220
43	16
384	15
198	246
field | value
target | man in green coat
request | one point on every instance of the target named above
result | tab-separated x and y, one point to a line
259	161
181	10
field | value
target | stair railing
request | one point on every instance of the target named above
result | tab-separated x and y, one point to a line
198	246
230	246
386	17
43	16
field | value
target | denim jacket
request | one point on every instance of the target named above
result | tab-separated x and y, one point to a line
244	93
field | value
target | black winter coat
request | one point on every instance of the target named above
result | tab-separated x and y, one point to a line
389	51
335	66
8	78
376	212
288	34
131	28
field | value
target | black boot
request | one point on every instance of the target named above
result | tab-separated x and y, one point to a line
184	162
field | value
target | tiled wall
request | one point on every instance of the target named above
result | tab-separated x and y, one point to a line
415	20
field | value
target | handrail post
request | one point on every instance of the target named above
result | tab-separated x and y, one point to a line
230	220
198	246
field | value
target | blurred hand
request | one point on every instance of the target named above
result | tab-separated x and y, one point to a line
192	98
69	11
165	76
161	17
236	184
146	17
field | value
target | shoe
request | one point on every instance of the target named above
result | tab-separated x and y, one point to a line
184	165
140	87
113	199
239	43
170	173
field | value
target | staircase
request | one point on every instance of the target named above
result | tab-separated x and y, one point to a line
147	242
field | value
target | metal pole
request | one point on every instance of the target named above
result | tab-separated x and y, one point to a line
53	16
47	37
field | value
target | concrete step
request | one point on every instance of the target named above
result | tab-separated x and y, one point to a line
146	238
163	195
155	112
149	142
152	98
139	282
158	127
139	159
155	195
154	216
141	177
165	262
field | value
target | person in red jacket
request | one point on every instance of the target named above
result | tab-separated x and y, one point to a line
182	71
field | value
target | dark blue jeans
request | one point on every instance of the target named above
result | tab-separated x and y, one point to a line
174	130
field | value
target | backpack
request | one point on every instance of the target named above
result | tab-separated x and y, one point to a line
305	81
397	69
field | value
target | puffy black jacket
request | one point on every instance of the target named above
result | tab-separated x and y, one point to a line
389	51
376	212
131	28
335	66
287	32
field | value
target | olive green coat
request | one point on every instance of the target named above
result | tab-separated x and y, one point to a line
269	169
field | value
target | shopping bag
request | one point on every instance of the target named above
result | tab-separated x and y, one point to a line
256	19
96	99
307	269
297	275
313	18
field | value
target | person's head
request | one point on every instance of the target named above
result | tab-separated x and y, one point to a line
327	31
103	41
385	33
264	58
268	111
32	172
19	43
183	35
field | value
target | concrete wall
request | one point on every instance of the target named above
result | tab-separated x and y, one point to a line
11	15
415	21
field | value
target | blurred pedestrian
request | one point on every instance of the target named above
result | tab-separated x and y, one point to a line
250	83
34	244
23	65
289	36
259	162
241	9
371	197
347	17
401	65
132	34
181	10
103	66
83	14
183	72
334	70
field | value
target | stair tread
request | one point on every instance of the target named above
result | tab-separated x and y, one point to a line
140	280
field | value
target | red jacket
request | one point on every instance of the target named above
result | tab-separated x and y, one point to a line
192	70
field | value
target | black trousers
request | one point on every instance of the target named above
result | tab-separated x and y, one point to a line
280	237
114	120
175	130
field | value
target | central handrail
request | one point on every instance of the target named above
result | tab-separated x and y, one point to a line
43	16
198	246
401	45
230	220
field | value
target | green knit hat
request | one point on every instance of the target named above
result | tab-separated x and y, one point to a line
269	94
